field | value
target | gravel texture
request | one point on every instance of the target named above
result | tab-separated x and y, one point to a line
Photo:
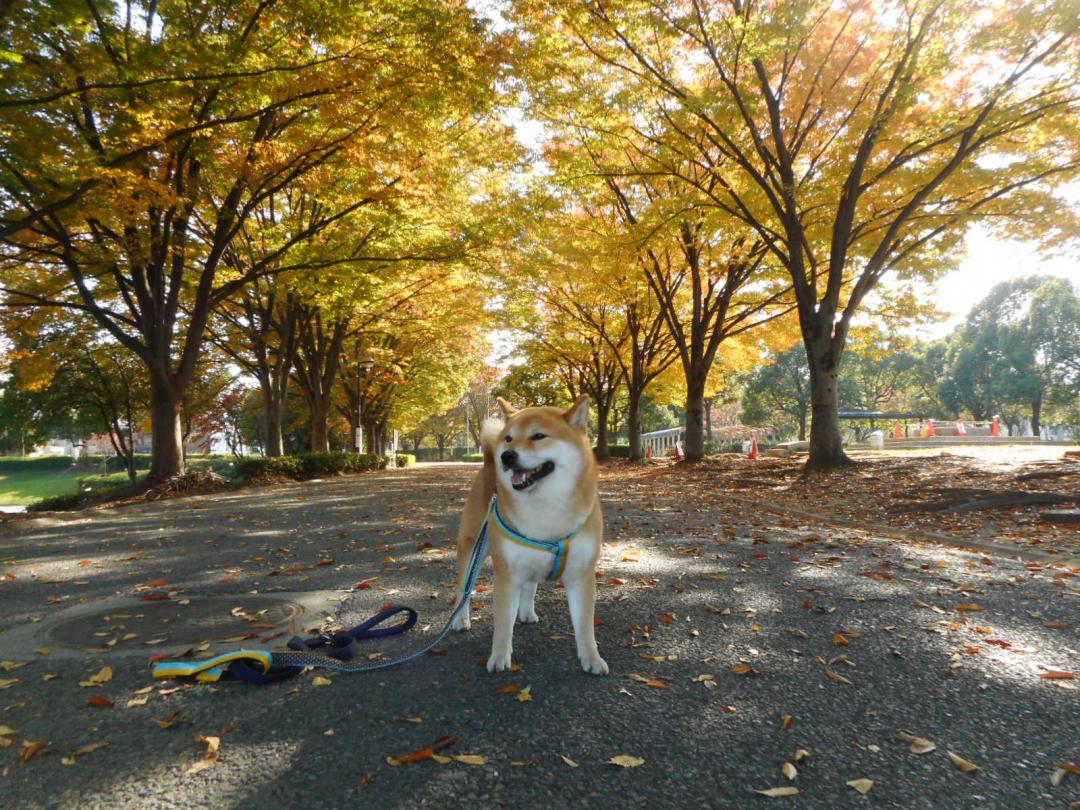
944	644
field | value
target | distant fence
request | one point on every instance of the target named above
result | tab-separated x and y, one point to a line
660	441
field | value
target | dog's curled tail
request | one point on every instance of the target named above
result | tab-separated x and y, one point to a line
489	436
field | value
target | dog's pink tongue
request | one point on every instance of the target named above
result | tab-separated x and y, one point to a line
519	476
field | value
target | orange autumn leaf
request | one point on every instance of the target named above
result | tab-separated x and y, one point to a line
1057	675
508	689
101	702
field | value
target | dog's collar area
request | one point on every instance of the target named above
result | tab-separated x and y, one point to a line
556	547
524	478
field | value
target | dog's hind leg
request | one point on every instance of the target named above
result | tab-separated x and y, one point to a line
526	611
463	620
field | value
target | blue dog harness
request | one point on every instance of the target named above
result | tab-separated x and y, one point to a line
556	547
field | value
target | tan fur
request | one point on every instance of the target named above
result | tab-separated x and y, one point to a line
549	509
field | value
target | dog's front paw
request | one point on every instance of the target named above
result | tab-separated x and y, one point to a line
461	622
498	662
593	664
528	617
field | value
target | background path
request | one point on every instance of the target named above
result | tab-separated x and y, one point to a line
946	645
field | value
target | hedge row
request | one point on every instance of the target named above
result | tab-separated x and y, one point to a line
34	463
312	465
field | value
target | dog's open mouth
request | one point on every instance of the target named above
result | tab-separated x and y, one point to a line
523	479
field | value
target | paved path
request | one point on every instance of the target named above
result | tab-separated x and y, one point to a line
693	585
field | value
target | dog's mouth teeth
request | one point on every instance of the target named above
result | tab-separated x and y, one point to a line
523	479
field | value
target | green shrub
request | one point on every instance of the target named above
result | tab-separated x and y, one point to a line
405	459
308	465
473	457
34	463
617	450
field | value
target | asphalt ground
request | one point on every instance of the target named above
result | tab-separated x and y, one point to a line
945	645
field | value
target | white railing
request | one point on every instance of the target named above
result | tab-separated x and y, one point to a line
660	441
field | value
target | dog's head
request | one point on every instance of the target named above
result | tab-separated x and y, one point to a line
538	446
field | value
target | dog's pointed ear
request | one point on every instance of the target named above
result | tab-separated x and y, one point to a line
578	414
507	409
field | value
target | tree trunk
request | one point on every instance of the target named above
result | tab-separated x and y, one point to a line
167	450
603	453
320	416
708	419
694	449
802	424
633	420
442	447
826	444
1036	416
273	418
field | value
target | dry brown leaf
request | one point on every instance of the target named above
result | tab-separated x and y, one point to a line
1057	675
836	676
104	675
777	792
961	763
30	749
627	761
507	689
800	754
525	695
861	785
789	770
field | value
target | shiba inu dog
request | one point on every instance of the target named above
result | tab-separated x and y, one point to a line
545	523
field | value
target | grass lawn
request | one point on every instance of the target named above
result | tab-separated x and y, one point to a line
22	488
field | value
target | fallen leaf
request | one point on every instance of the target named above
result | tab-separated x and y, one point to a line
31	749
800	754
171	719
7	666
919	745
627	761
861	785
1057	675
508	689
525	695
840	641
970	607
961	763
209	758
469	759
104	675
1056	625
6	682
776	792
836	676
101	702
569	761
319	680
789	770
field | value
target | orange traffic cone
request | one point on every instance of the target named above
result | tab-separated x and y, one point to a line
930	428
961	430
753	447
896	434
995	427
648	451
679	456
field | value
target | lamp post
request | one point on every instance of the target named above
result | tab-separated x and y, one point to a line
363	366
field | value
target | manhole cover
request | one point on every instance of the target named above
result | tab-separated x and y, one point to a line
139	625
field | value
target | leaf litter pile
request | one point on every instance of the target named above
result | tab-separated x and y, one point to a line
965	498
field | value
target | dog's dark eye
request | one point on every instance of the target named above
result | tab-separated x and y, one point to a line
538	436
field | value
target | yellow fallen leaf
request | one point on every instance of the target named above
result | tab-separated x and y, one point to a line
470	759
861	785
43	651
319	680
436	757
568	761
777	792
800	754
104	675
210	758
50	676
6	742
840	641
525	694
789	770
627	761
961	763
6	731
970	607
7	666
6	682
137	701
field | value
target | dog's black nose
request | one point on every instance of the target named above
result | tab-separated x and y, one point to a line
509	457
